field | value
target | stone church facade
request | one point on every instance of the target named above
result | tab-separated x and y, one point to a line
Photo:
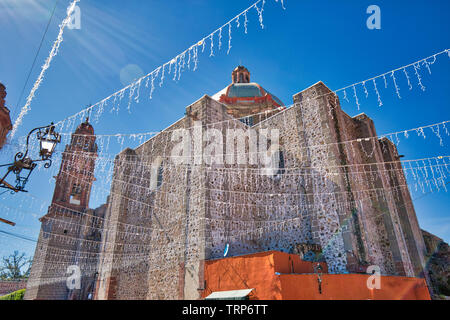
336	187
330	186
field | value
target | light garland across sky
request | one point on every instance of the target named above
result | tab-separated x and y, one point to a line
116	97
138	231
422	171
416	66
54	51
189	59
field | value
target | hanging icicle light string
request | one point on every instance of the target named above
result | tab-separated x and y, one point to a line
174	66
55	48
425	62
151	77
439	130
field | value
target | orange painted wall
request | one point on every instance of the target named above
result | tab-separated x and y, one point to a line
258	271
291	263
351	287
244	272
254	271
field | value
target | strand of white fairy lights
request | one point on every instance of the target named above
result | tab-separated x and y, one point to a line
144	235
414	169
176	250
60	211
140	203
303	171
153	133
102	162
415	172
26	108
418	130
117	262
143	163
137	231
178	64
408	160
416	65
130	256
284	109
139	247
64	210
139	235
404	166
284	194
103	159
435	128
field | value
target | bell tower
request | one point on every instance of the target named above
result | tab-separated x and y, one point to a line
69	230
75	177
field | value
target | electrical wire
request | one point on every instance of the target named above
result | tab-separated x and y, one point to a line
35	58
17	236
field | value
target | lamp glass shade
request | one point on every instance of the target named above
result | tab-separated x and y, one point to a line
47	146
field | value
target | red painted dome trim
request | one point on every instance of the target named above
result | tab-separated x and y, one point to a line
265	97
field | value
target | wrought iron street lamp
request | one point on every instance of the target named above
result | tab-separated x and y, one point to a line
48	139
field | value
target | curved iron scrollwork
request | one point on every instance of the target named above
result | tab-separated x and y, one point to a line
48	140
48	163
19	156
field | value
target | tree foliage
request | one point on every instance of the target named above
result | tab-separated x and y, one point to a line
16	266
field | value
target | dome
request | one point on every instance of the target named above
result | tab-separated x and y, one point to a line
242	92
248	93
248	101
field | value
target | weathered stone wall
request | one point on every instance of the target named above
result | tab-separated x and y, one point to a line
7	287
48	273
404	208
386	248
328	222
66	239
109	267
244	205
368	205
166	262
437	270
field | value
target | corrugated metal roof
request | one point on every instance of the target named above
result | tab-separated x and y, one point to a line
229	295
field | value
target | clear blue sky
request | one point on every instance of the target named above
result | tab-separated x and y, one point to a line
307	42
